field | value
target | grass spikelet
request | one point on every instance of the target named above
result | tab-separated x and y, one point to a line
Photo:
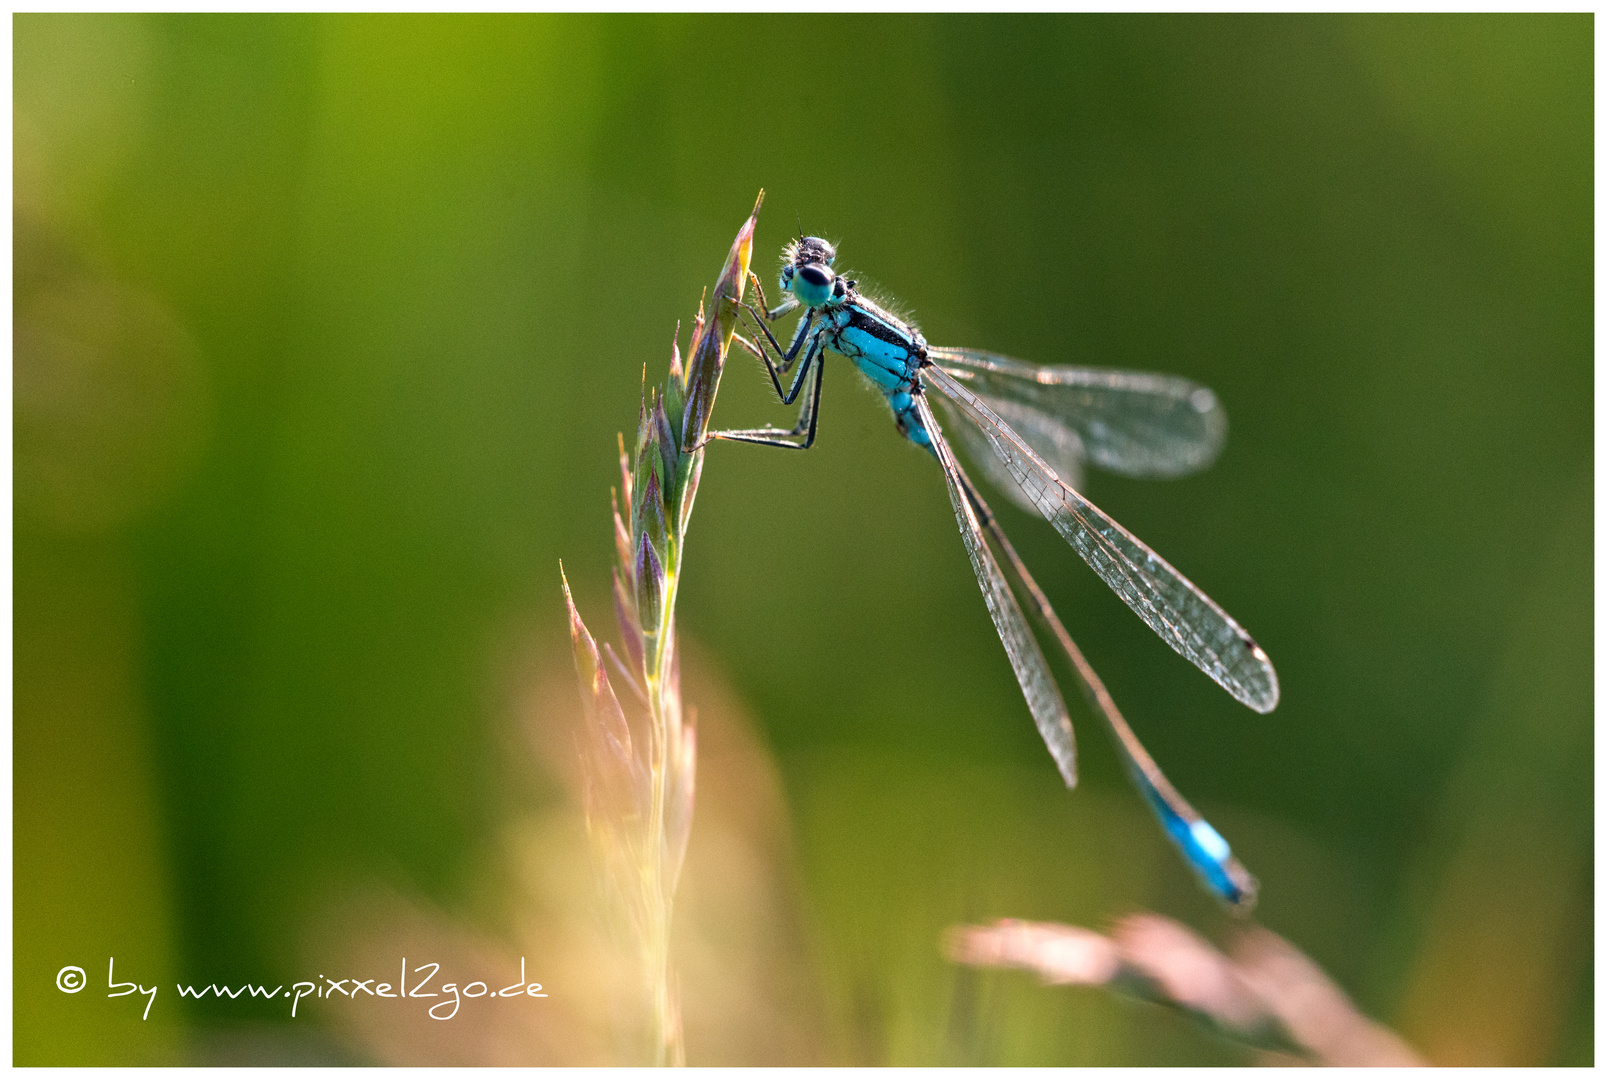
641	778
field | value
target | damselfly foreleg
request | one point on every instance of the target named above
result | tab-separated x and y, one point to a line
771	314
784	357
808	416
789	395
763	315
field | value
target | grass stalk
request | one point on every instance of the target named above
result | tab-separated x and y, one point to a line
640	764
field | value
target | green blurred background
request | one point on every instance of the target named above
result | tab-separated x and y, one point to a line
323	330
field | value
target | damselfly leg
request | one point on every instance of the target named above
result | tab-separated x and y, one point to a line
808	414
771	314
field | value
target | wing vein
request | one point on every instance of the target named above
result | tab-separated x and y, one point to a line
1038	686
1183	616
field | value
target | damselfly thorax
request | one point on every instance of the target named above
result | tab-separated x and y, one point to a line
887	350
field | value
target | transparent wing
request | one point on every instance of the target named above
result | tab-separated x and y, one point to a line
1201	845
1185	618
1135	423
1056	443
1037	685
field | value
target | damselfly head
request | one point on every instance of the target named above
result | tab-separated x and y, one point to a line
814	249
806	270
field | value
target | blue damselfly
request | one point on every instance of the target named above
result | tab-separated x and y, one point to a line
1030	429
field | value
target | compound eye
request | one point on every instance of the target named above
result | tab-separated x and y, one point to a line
816	275
813	283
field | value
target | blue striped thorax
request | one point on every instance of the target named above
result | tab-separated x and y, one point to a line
885	348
